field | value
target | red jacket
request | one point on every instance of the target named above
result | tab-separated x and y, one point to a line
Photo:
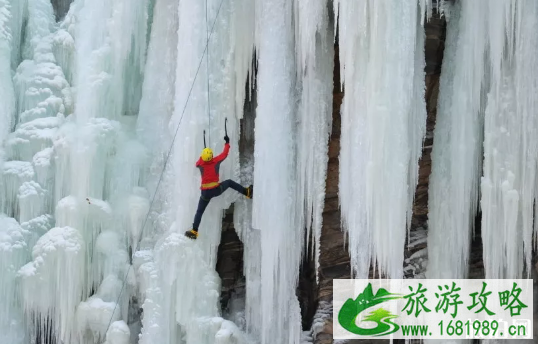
210	169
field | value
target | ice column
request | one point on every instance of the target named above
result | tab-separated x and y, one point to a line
487	89
52	282
26	184
383	125
198	96
199	106
7	94
19	14
274	209
157	103
315	56
456	155
13	254
508	184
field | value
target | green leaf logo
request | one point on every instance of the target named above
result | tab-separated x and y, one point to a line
352	308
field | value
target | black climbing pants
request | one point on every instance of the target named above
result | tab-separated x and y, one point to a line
207	195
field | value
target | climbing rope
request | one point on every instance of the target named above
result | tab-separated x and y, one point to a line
169	153
207	72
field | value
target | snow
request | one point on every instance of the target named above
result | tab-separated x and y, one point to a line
383	125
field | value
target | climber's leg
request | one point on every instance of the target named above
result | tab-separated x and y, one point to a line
231	184
202	205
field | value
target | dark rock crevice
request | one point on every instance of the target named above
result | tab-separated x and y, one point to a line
230	262
61	7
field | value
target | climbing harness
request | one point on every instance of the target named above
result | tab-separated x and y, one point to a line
169	152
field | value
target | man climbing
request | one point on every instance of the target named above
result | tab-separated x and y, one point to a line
209	168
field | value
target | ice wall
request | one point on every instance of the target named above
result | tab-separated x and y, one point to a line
104	118
383	124
7	108
177	282
508	185
315	55
457	152
69	169
485	105
274	214
12	244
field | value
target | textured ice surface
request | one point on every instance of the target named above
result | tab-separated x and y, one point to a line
118	333
508	185
315	56
7	94
274	214
193	304
383	125
457	150
90	106
58	256
485	106
13	254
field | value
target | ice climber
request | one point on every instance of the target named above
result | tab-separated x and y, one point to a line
209	168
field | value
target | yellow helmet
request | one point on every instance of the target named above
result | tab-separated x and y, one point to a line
207	154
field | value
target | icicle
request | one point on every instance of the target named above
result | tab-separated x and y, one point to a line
13	254
7	106
14	174
193	305
504	41
509	187
383	124
58	256
19	15
243	36
157	103
456	153
275	174
315	56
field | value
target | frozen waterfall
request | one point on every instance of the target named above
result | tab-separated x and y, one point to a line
106	105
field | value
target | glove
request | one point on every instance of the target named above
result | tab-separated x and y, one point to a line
227	139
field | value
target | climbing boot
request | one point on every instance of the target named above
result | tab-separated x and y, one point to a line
250	191
192	234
